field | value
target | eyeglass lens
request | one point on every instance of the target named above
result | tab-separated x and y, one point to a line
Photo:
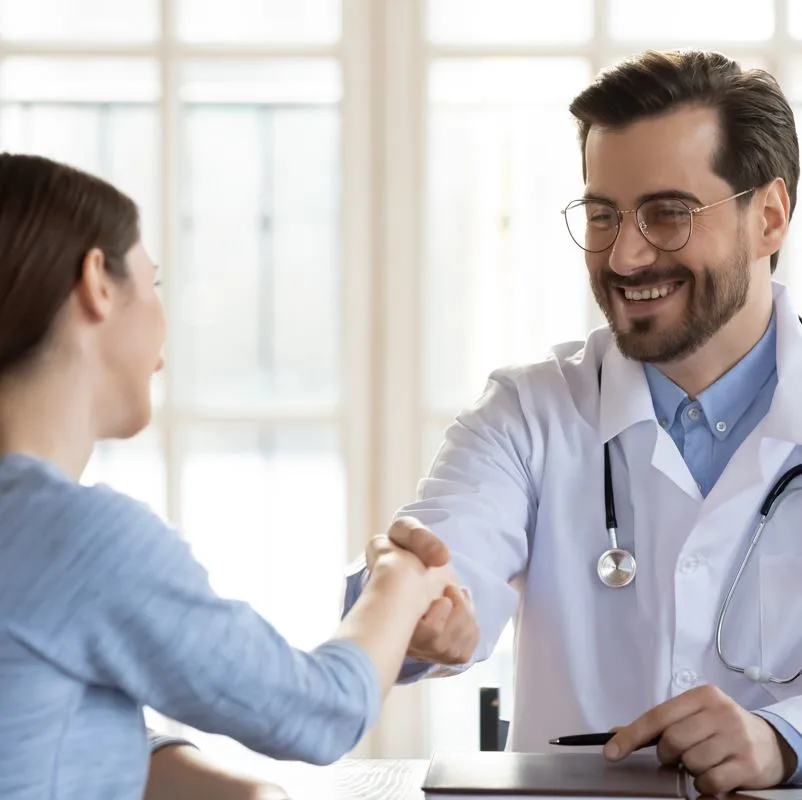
594	224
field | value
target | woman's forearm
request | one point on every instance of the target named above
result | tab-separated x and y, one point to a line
180	772
384	617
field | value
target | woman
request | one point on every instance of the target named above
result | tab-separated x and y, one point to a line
102	607
178	771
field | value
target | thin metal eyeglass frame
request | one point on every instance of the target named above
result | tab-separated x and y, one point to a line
620	215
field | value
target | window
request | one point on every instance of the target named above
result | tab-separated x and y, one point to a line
79	21
236	164
263	21
356	209
509	21
501	161
686	22
258	236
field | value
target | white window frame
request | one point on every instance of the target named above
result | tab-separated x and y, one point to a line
355	418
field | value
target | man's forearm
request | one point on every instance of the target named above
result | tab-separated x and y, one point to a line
179	772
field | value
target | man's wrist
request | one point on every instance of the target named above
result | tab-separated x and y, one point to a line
787	754
787	741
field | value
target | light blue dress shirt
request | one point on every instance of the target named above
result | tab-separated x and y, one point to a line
711	427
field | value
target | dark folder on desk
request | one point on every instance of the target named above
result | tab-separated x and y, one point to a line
486	775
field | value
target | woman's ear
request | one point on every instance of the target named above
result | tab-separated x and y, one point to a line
94	289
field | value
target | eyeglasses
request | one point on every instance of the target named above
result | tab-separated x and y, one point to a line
665	223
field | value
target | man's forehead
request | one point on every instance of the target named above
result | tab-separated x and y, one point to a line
698	123
651	155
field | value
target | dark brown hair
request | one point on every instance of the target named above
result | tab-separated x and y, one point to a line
51	216
758	136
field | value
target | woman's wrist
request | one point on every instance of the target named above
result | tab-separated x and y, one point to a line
403	583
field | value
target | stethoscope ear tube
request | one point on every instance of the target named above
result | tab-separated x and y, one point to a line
779	488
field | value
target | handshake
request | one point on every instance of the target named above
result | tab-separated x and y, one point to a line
446	632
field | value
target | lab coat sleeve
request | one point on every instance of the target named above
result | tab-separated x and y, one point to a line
774	716
480	499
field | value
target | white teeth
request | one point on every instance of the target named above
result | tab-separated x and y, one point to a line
649	294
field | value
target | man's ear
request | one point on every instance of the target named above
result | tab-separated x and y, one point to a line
775	214
94	290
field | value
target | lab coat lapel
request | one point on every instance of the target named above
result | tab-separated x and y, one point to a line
784	419
758	461
782	431
626	402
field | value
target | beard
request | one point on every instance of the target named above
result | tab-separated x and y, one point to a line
715	295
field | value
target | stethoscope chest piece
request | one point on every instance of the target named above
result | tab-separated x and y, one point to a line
616	568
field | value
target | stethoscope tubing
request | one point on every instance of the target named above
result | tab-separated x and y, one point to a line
616	556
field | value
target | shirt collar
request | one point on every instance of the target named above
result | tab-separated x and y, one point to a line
626	400
727	400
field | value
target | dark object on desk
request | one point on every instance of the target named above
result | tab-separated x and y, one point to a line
463	776
594	740
492	730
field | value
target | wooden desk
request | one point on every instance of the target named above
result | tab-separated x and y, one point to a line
364	779
390	779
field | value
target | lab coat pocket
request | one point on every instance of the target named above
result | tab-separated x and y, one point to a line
781	621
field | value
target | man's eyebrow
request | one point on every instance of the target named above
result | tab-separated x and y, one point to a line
588	195
663	194
671	194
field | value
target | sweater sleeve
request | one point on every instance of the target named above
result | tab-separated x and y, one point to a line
157	741
137	613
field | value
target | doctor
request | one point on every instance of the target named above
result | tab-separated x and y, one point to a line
691	169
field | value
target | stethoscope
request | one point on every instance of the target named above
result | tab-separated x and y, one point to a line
616	566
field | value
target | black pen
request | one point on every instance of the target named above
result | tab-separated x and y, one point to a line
593	739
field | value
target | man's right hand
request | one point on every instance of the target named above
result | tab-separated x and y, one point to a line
447	633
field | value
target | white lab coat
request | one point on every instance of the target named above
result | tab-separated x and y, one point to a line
517	490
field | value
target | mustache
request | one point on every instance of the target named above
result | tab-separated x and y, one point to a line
644	277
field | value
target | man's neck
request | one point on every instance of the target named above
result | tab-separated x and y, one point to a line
721	353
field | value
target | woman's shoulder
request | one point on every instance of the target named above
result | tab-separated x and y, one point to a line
42	504
64	545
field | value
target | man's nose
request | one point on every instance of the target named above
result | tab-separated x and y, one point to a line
631	251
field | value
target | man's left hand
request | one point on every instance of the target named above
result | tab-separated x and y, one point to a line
724	746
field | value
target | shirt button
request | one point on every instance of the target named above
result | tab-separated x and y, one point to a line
663	422
693	413
689	565
721	426
685	678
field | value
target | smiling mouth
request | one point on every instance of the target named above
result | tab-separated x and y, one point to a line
646	293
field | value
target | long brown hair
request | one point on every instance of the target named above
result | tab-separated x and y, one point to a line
51	216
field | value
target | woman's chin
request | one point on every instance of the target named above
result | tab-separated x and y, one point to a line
133	423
